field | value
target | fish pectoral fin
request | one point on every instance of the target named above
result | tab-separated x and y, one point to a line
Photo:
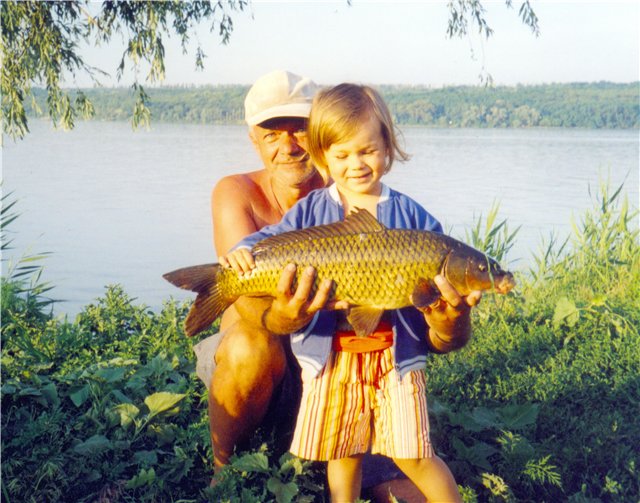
364	319
424	293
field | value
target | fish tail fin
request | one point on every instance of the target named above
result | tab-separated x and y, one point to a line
210	301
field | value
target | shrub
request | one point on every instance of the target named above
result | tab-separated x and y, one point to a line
541	406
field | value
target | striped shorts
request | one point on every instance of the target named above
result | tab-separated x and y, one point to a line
359	401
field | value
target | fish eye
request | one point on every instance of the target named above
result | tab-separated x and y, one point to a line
482	267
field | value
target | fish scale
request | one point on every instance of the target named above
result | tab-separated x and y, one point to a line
342	258
372	268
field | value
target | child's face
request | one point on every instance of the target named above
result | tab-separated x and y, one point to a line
357	164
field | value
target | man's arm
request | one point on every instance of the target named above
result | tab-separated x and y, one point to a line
232	214
449	319
233	220
291	309
232	217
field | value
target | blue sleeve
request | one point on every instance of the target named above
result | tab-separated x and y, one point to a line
429	222
425	220
405	213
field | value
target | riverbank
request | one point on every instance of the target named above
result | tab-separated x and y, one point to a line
540	406
578	105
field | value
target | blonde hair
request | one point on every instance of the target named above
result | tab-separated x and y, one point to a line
336	114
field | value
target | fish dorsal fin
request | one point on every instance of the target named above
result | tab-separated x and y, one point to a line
364	319
358	221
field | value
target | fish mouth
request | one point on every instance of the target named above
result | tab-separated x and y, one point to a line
505	283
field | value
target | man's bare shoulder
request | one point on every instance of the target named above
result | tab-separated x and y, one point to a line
246	182
243	197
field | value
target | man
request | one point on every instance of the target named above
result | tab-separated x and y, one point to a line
250	362
247	367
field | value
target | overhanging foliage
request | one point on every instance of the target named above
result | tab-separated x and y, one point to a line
43	40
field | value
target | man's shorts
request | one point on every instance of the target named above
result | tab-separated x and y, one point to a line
205	352
359	401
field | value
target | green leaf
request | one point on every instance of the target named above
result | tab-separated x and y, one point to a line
477	454
93	445
162	401
515	417
497	486
164	433
284	493
111	374
479	419
128	412
92	476
143	478
514	446
79	396
565	313
145	458
290	463
50	392
253	462
8	389
30	391
486	417
120	396
136	383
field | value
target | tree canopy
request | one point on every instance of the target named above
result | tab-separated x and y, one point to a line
43	40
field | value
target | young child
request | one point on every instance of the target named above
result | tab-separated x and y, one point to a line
361	393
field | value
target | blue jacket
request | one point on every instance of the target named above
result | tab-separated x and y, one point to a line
396	211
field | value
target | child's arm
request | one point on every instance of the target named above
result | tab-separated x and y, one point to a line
240	259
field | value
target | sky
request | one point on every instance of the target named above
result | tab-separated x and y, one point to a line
405	42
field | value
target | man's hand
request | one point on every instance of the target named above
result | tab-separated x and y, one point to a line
291	311
449	318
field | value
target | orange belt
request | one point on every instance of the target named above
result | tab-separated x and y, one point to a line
348	341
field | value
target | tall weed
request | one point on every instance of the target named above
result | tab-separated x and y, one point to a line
565	342
492	237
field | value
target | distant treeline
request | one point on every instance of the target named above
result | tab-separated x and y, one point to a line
583	105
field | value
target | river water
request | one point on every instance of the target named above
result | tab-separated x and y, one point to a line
121	207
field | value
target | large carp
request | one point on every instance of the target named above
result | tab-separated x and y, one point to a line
372	267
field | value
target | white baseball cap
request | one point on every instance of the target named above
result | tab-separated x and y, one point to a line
279	94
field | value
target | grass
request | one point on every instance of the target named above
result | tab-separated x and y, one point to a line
541	406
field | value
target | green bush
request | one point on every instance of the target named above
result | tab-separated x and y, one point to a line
106	406
541	406
562	356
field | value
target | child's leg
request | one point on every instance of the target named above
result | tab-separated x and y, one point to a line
433	478
401	431
334	419
344	476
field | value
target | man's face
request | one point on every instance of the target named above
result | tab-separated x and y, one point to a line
281	144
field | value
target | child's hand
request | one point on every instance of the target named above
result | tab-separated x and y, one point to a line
240	260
